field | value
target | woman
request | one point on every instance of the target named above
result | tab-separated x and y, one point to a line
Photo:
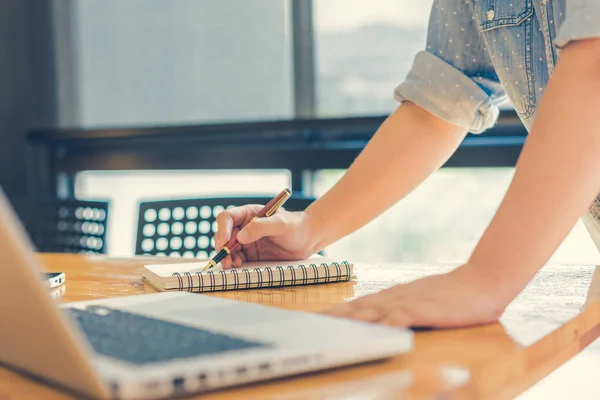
543	56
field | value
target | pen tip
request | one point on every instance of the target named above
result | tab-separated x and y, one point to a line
210	264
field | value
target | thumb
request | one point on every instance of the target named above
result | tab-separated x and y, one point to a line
262	227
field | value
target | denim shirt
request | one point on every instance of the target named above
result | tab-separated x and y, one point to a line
481	53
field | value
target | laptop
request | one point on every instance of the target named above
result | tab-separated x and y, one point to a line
161	345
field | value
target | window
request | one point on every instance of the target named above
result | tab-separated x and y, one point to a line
441	221
156	63
363	51
145	62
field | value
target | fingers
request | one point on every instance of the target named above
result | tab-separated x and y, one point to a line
377	308
252	254
233	217
274	226
399	318
227	262
224	229
243	214
228	223
370	314
238	259
340	310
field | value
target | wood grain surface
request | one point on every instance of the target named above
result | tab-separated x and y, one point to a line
552	320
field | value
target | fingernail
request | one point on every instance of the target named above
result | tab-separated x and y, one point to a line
242	236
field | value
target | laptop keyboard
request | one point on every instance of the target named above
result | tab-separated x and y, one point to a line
142	340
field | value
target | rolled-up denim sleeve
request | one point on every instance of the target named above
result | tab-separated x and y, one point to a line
453	78
582	21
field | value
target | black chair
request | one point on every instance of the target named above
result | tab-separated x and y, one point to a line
186	227
65	226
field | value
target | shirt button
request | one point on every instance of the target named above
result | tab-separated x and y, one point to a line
490	15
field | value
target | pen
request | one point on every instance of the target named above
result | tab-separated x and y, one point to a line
269	209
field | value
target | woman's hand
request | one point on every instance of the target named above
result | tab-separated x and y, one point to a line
283	236
462	297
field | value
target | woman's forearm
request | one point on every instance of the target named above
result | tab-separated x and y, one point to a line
556	178
406	149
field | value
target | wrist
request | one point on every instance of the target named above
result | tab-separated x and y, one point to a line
316	231
498	285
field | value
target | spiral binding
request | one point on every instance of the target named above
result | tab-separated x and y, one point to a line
259	273
316	271
327	272
293	272
304	274
248	283
236	279
190	282
200	281
178	275
281	273
347	265
213	283
338	270
224	275
270	271
260	282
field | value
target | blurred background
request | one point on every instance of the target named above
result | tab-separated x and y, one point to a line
108	104
85	65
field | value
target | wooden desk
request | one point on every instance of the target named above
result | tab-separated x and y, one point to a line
553	319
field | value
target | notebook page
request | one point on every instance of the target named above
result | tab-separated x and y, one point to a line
168	269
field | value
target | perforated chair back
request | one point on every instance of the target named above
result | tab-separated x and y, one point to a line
65	226
186	227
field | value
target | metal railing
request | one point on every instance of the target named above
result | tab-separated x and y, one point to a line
299	145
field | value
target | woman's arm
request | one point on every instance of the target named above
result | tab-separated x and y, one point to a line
556	177
406	149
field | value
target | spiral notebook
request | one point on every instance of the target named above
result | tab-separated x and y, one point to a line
190	277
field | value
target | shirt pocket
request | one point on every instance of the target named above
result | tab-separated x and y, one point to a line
492	14
506	26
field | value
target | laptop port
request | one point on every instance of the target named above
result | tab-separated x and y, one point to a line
241	370
264	366
178	384
202	377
